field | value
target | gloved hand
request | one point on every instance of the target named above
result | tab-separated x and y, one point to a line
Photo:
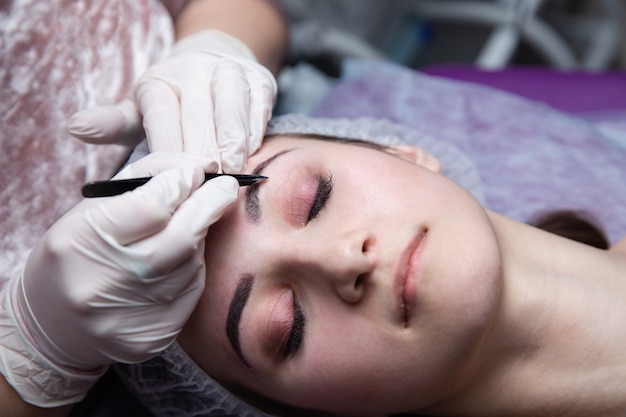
209	97
114	280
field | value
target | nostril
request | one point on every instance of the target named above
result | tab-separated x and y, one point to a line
359	281
366	246
368	243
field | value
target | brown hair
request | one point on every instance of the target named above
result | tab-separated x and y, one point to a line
574	225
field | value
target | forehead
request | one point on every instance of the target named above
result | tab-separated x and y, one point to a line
275	143
306	140
327	145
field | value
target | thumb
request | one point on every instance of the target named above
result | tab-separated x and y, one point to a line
114	124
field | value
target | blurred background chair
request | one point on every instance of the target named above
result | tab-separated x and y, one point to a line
491	34
569	54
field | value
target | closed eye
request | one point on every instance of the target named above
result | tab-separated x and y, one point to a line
324	190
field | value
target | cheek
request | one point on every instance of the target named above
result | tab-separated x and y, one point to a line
464	260
351	367
467	266
461	289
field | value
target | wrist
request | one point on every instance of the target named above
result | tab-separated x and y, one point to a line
38	380
214	42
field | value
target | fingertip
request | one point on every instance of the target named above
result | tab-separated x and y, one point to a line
234	162
226	183
117	123
216	195
84	126
173	186
203	208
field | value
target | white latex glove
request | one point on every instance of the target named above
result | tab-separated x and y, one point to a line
114	280
209	97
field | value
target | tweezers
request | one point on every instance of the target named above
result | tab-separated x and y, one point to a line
115	187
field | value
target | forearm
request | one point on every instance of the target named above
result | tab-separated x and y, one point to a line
12	405
255	22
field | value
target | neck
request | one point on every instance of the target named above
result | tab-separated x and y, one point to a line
557	346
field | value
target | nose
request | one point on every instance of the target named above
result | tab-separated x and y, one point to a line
345	261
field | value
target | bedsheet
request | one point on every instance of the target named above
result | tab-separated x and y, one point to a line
531	158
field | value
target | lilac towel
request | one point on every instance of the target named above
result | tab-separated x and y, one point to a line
531	157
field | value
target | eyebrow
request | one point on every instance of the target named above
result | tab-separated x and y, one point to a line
251	204
238	302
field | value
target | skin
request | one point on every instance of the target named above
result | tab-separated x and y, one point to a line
498	305
341	267
253	22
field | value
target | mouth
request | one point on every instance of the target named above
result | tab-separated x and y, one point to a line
405	280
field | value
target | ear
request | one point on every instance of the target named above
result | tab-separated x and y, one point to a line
418	156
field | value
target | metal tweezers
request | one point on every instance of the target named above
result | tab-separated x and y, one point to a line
116	187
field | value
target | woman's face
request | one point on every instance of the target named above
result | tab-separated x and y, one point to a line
351	281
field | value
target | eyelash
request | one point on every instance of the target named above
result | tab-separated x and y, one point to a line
324	189
297	331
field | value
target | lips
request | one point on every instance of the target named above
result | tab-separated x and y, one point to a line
405	280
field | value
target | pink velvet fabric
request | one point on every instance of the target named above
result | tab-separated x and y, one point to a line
57	57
